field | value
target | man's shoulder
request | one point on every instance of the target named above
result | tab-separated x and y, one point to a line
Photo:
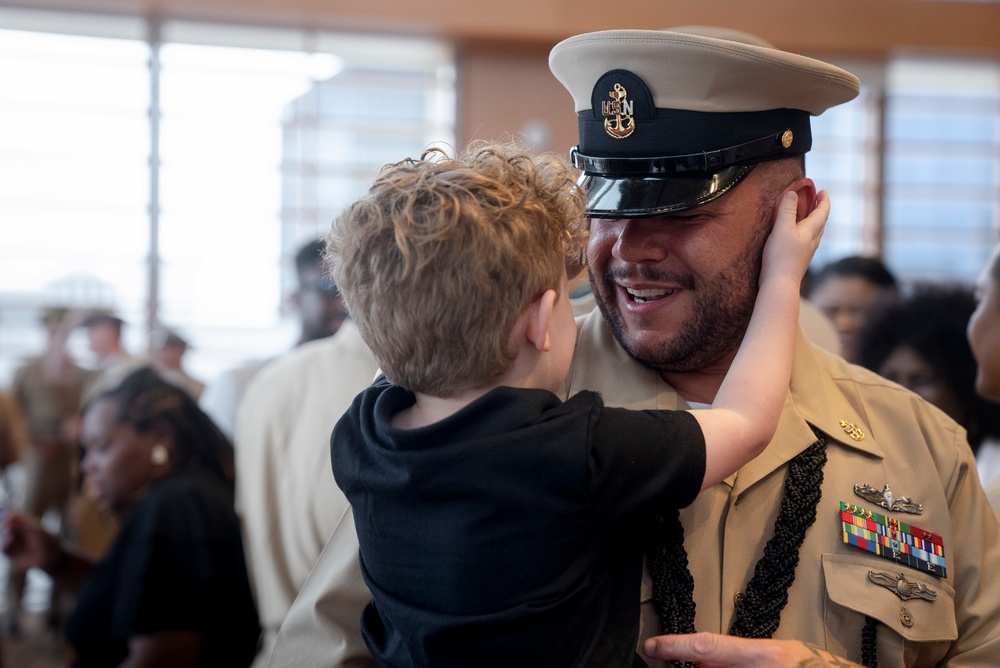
846	393
317	359
316	367
853	379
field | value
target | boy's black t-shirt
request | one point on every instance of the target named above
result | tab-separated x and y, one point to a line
505	534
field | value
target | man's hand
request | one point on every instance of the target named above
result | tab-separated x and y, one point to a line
712	650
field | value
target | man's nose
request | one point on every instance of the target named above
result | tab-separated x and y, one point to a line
639	241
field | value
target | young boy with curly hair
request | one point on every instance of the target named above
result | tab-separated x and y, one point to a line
497	522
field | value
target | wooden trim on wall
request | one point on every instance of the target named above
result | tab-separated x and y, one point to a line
848	27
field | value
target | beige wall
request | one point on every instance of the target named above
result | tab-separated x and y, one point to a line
507	91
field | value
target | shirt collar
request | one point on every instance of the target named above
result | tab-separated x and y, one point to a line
816	397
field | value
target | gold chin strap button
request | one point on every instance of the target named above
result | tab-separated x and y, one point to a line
786	138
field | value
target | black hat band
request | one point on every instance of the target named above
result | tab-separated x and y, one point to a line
752	151
679	141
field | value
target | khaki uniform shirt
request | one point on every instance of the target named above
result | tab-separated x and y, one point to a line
286	497
907	444
46	406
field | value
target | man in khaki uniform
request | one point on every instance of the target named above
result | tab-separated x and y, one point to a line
285	496
861	533
48	390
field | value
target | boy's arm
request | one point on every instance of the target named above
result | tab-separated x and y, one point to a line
745	413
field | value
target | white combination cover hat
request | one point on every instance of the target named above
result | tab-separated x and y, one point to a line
672	119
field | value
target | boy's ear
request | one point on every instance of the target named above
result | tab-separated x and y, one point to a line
539	315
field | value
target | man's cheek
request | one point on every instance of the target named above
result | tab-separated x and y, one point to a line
600	244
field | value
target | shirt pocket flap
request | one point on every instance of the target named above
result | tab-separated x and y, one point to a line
916	619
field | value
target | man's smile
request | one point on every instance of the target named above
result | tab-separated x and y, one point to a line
648	295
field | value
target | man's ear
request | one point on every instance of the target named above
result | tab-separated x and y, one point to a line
806	190
539	315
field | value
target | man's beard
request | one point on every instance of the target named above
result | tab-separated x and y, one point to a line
718	320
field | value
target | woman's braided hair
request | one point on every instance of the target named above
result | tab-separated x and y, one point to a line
144	400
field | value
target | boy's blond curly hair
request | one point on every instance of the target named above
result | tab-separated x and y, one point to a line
442	255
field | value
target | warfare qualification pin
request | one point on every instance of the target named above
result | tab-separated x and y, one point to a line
888	500
901	587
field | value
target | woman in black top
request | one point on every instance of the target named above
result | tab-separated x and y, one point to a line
172	589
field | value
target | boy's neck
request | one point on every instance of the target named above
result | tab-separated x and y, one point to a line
527	371
430	409
702	385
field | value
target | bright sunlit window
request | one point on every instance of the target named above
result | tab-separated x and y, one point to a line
74	185
190	217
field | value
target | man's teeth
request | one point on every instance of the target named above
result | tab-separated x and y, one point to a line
648	295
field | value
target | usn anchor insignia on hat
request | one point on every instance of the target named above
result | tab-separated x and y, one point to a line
621	102
618	119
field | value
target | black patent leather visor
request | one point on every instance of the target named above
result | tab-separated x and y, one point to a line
647	196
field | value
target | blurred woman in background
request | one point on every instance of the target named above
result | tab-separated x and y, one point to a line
849	291
984	338
172	590
920	342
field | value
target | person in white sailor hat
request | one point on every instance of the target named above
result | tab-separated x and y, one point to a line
688	139
684	170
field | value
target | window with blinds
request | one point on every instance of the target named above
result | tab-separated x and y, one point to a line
942	167
913	168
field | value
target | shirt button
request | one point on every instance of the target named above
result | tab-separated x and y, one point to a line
905	618
738	598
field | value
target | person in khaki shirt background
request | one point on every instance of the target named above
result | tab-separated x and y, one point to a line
983	332
696	135
287	508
